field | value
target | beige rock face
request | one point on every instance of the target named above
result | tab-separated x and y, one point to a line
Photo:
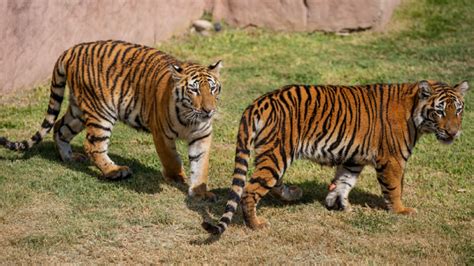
34	33
306	15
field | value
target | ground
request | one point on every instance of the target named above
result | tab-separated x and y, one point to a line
61	212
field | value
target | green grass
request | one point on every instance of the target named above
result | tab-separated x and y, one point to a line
60	212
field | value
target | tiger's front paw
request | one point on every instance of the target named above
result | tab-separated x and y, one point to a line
118	173
179	178
335	200
201	192
405	211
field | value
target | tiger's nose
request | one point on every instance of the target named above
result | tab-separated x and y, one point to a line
208	113
453	133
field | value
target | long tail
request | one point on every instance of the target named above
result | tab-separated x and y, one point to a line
242	154
58	84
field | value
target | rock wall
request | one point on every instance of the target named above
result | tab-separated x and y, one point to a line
306	15
33	33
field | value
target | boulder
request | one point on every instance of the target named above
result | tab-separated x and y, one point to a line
202	25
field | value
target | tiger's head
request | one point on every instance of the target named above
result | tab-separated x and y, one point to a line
440	109
196	91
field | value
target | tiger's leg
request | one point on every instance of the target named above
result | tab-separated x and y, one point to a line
263	180
169	157
65	129
199	163
96	145
390	177
343	182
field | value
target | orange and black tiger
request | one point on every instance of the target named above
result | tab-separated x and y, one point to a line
347	127
112	81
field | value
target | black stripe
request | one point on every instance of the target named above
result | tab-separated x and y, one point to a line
91	124
241	160
238	171
381	168
225	220
197	157
96	152
234	196
51	111
351	170
56	97
59	85
274	173
346	183
46	124
262	182
247	152
70	129
197	139
385	184
238	182
59	72
222	228
229	208
93	139
37	137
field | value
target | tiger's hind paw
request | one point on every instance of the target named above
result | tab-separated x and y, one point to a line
287	193
259	223
79	157
119	173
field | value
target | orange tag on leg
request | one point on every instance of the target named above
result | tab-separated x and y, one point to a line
332	186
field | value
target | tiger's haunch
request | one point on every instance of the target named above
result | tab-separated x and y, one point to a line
343	126
112	81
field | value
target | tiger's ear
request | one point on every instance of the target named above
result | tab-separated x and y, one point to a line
462	87
425	90
176	72
215	68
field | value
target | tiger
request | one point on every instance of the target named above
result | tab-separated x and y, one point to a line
145	88
348	127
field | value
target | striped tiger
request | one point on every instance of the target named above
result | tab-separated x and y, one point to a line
112	81
343	126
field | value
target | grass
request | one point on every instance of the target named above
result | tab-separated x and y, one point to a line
58	212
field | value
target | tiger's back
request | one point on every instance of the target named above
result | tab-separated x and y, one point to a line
333	125
118	77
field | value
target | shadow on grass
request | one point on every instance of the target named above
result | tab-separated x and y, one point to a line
313	191
144	179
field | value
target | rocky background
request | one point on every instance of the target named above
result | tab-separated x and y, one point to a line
34	33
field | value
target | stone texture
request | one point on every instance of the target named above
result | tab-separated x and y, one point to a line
202	25
306	15
33	33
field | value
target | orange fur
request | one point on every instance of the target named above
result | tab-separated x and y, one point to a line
344	126
147	89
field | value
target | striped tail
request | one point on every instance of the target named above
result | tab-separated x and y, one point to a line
242	156
58	83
